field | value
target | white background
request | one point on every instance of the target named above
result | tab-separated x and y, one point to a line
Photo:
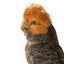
12	39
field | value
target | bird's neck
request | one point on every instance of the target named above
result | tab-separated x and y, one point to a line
41	38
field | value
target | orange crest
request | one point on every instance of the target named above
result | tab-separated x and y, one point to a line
37	12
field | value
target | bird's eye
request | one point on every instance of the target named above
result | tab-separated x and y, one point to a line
33	22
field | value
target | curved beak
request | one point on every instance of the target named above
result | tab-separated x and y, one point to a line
24	26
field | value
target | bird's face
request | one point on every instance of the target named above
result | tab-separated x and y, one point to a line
36	20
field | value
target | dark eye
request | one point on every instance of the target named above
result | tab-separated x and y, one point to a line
33	22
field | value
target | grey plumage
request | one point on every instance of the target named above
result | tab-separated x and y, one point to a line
44	49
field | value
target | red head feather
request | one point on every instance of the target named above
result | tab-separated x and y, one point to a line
37	12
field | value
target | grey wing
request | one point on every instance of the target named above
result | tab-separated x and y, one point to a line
42	55
60	53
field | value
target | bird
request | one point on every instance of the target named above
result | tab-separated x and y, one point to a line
42	45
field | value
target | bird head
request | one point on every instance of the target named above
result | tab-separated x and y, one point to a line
35	20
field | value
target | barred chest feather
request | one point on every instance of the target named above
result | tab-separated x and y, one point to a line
36	53
44	49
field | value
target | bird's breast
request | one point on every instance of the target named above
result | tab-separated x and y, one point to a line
39	52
